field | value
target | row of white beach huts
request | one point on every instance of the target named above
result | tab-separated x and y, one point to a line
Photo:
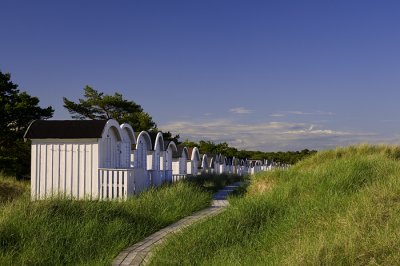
100	159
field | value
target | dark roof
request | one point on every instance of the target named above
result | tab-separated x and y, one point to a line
65	129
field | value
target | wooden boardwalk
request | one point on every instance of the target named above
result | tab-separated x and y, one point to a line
140	253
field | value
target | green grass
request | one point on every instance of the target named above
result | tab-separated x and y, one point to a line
65	232
11	189
339	207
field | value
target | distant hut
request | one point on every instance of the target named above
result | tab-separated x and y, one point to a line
154	159
204	166
222	164
170	149
193	163
179	163
143	156
128	146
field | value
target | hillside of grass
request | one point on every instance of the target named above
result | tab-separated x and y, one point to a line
65	232
339	207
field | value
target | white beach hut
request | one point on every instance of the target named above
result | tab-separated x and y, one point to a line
68	156
128	146
142	157
193	163
179	163
170	149
155	160
222	164
204	166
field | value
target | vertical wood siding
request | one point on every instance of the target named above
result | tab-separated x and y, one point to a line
64	168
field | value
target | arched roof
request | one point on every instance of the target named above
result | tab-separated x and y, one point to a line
157	139
211	162
112	124
182	150
204	158
125	127
194	153
146	137
172	145
222	159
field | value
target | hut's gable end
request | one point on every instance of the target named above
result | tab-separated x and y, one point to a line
64	166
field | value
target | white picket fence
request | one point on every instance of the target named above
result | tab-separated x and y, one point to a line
113	183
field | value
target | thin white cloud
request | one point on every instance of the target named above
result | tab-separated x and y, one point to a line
277	115
298	113
310	113
240	110
268	136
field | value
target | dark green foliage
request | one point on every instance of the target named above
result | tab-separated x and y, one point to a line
97	105
289	157
220	148
17	111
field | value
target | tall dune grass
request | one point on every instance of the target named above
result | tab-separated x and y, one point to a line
65	232
339	207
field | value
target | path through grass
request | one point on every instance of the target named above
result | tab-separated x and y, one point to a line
339	207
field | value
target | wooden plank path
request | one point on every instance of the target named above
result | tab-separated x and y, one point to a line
140	253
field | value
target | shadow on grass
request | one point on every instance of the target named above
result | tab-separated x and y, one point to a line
215	182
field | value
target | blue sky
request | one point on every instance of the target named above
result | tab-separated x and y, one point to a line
264	75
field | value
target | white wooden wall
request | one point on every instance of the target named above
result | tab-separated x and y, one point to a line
110	150
65	167
141	155
127	157
182	165
191	167
167	156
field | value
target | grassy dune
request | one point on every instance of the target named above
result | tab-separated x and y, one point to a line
339	207
64	232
